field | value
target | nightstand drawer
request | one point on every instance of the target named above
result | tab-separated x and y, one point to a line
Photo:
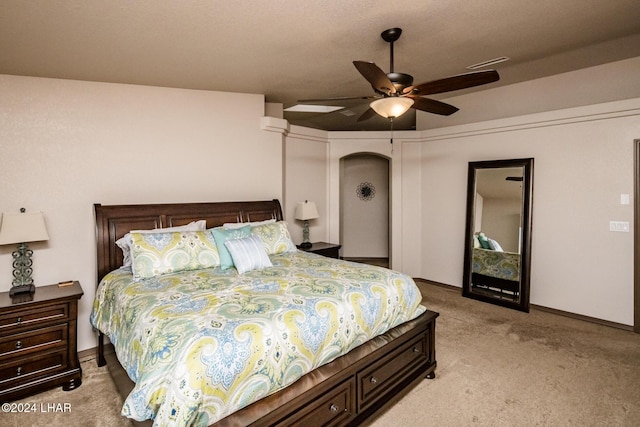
22	317
22	370
36	340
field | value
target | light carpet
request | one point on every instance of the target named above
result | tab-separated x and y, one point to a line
501	367
496	367
95	403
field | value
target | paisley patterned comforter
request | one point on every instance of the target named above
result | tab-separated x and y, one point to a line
202	344
503	265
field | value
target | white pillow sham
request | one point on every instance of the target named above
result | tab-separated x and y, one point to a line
232	225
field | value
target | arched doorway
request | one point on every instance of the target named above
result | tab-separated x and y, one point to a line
364	208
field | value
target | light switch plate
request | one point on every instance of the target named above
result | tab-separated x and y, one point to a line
622	226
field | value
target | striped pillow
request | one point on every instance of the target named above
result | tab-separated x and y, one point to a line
248	253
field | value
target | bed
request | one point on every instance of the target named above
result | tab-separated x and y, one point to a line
334	389
496	271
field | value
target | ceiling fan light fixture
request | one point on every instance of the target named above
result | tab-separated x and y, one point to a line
391	107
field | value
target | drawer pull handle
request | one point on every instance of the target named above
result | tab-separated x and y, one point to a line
415	350
19	320
373	380
19	345
19	371
334	408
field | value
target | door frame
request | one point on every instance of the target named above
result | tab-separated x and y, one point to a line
389	195
636	236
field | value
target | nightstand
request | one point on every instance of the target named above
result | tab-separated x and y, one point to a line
38	341
326	249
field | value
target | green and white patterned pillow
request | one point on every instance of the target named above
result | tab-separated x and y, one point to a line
275	237
124	243
154	254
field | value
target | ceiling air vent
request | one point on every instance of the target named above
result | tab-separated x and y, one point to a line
488	63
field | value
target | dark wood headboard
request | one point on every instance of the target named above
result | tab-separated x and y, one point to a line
114	221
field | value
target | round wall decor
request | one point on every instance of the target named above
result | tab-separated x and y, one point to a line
366	191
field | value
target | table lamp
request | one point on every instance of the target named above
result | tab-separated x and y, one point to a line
305	211
22	228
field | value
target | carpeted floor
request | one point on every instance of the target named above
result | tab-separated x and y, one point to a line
95	403
496	367
500	367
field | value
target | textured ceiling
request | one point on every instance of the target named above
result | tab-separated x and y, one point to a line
290	50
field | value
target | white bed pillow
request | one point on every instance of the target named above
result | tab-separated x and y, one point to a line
495	245
232	225
124	243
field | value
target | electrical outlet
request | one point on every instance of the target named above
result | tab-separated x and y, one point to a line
622	226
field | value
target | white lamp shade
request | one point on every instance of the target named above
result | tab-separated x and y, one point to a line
391	107
306	210
22	228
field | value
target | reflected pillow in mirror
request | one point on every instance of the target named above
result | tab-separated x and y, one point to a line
484	242
495	245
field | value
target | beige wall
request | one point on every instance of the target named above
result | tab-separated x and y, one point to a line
501	220
306	179
65	145
583	163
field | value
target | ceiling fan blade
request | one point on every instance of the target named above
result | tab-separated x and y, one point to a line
369	112
375	76
432	106
339	98
461	81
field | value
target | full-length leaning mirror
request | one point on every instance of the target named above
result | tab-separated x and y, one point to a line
498	232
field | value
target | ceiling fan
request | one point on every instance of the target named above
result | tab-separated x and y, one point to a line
396	93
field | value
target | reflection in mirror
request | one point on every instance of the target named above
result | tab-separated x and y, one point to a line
498	233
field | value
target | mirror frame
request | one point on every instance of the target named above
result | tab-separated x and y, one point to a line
525	250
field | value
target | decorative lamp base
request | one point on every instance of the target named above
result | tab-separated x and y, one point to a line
306	244
22	289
